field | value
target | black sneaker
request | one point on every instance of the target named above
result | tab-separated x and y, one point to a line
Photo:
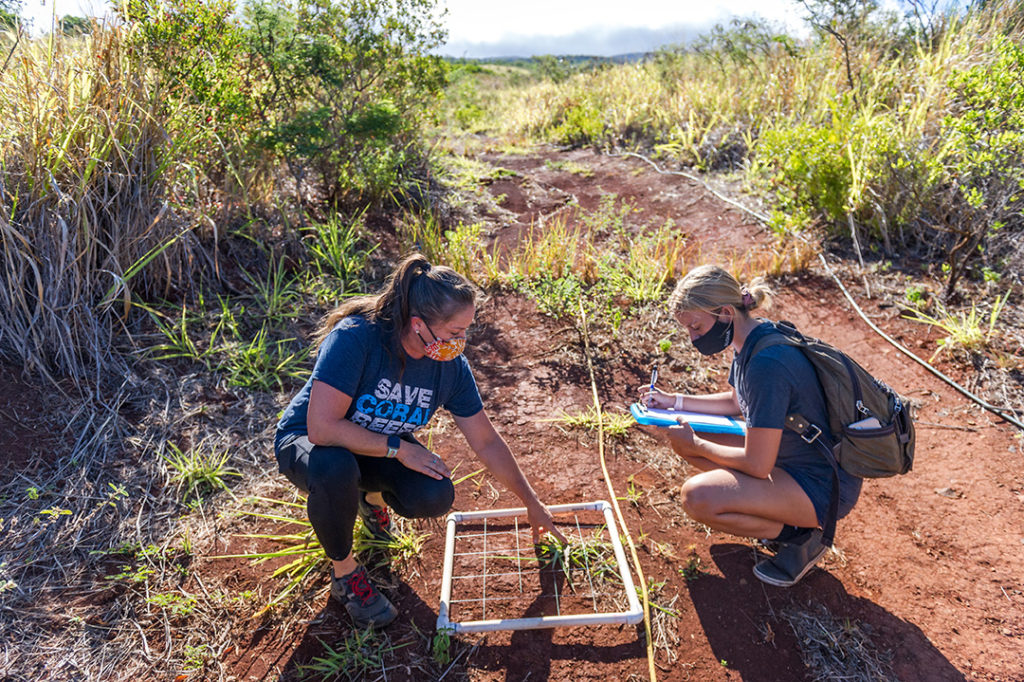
793	561
365	604
376	520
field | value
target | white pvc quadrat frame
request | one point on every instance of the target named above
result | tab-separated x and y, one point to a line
631	617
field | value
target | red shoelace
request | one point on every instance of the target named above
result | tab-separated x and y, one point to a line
380	515
360	586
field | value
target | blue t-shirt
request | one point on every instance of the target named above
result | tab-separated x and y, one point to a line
780	380
355	360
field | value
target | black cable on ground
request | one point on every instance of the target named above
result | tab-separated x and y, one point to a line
1000	412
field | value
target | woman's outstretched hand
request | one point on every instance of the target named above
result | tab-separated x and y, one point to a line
418	458
542	522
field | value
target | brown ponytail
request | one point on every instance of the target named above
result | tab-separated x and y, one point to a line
414	287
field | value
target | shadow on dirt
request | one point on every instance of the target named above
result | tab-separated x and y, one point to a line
742	619
529	653
331	626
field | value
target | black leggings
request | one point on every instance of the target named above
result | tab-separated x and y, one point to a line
335	477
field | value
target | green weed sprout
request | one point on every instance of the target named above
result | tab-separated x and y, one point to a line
692	569
358	655
593	557
441	646
633	494
197	473
404	545
966	330
614	425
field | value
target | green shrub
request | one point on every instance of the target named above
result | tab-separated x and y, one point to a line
194	50
335	89
581	123
859	167
809	169
985	139
348	83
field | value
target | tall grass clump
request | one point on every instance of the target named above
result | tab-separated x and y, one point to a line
129	154
87	217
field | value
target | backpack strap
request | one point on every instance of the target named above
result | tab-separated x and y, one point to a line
809	432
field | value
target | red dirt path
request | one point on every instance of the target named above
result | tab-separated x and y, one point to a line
935	577
938	577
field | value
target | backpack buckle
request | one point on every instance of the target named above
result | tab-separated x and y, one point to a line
813	438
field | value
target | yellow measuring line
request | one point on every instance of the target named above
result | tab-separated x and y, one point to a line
615	501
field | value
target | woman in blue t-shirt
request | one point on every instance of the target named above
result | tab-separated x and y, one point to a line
770	483
384	364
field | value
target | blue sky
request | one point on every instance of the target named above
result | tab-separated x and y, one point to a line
484	28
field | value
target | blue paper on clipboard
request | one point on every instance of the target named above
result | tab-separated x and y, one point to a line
701	423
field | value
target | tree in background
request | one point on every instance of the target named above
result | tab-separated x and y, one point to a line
336	90
844	20
9	10
74	26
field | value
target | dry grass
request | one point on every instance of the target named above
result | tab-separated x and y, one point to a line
97	558
837	649
87	219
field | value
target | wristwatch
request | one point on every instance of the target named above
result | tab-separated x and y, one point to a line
394	442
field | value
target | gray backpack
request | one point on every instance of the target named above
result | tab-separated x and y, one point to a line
871	425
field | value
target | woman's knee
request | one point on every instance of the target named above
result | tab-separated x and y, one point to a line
427	501
699	500
333	469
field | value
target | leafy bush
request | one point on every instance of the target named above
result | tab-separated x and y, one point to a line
347	82
336	89
809	170
194	49
985	136
858	169
581	123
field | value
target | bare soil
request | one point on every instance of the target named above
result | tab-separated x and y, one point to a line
929	565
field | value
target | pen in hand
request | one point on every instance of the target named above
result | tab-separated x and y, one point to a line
654	379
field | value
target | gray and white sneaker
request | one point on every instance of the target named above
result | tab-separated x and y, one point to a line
793	560
365	604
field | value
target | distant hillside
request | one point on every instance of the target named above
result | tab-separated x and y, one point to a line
572	61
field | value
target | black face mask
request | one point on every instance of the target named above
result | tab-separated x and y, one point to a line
716	339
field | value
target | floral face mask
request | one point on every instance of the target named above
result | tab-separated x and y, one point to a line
442	351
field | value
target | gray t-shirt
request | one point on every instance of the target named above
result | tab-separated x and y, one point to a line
355	359
780	380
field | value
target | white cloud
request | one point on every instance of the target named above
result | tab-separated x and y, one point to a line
482	28
597	27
